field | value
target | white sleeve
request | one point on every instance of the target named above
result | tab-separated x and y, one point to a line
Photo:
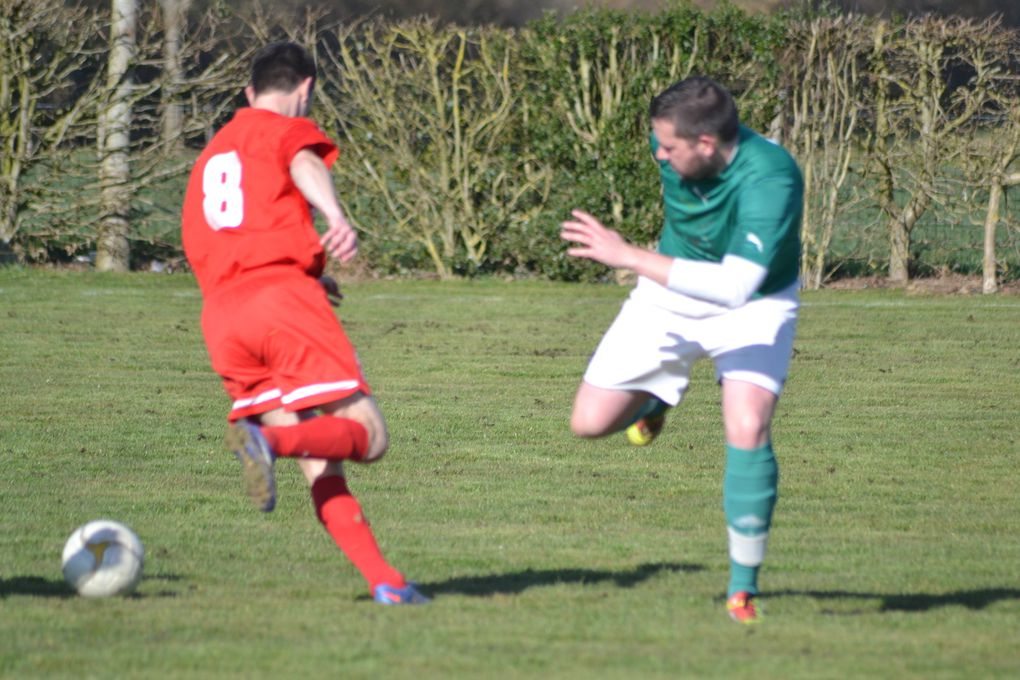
730	283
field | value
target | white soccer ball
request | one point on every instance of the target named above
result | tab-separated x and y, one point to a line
103	558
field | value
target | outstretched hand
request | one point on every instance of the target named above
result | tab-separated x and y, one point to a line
596	241
340	240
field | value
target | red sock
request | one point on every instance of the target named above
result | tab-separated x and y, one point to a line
341	514
326	437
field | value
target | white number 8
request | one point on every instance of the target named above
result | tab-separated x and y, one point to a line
223	202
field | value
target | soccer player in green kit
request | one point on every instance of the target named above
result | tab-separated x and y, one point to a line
723	284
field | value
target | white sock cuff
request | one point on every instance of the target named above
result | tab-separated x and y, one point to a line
748	551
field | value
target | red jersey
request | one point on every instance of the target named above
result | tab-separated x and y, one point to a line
242	211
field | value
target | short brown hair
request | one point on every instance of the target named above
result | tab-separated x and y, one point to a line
281	66
698	106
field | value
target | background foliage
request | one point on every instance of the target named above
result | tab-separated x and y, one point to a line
464	147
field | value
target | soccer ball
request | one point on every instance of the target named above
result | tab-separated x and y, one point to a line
103	558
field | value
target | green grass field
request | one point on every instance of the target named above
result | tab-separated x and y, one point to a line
894	551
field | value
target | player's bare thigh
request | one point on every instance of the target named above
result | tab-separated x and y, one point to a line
364	409
599	411
359	407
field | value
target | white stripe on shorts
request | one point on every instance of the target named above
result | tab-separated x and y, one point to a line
320	388
268	395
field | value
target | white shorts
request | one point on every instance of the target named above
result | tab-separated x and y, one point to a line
649	348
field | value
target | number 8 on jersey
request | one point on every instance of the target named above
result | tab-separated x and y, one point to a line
223	200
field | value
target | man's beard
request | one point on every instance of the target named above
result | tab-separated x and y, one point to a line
707	169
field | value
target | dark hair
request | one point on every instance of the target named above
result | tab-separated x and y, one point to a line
281	66
698	106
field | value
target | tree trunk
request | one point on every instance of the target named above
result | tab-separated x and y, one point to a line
174	14
899	253
16	95
112	249
900	229
990	283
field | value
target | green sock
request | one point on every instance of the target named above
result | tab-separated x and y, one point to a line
651	408
750	488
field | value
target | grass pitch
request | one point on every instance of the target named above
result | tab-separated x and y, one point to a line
894	551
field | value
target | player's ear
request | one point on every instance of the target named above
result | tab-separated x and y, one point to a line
707	145
249	93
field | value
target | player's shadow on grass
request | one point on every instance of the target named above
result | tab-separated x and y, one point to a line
57	588
35	585
518	581
912	602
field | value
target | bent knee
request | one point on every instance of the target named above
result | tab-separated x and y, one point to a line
378	444
585	427
748	433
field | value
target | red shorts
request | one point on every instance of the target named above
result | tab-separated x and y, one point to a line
275	342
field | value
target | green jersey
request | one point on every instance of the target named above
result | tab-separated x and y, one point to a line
751	210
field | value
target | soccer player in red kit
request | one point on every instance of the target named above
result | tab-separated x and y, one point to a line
296	385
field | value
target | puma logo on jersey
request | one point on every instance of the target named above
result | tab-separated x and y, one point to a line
756	242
